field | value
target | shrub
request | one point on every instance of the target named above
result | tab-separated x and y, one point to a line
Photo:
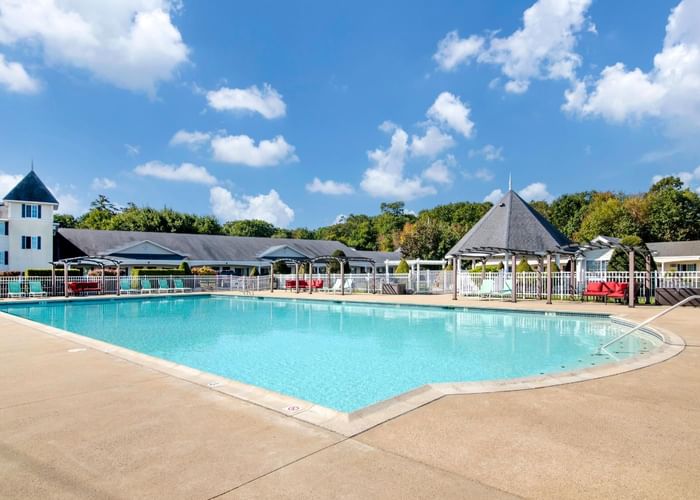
253	271
157	272
523	266
9	273
489	269
203	271
619	261
47	272
402	267
185	268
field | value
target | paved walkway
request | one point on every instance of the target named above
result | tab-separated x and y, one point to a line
79	423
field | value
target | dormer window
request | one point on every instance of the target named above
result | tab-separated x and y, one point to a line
31	211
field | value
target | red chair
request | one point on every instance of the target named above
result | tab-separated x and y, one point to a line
596	289
316	284
303	284
618	290
290	284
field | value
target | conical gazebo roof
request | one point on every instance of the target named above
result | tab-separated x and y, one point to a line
511	226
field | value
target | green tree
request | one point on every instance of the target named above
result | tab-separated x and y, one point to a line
252	227
523	266
389	223
65	220
542	207
103	203
607	215
673	211
334	266
428	239
567	212
207	224
619	260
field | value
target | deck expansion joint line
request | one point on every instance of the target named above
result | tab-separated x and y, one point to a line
279	468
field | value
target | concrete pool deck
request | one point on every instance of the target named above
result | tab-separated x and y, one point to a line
77	422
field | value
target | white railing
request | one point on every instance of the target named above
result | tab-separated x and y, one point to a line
530	285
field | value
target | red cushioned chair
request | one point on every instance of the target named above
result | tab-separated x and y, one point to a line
316	284
619	290
596	289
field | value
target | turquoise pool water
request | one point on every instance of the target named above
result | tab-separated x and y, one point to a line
341	355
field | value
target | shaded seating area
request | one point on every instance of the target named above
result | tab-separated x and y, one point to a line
84	287
81	286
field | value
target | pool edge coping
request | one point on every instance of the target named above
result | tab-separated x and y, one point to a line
351	424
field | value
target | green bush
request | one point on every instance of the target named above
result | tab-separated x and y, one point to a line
157	272
185	267
47	272
203	271
489	269
523	266
402	267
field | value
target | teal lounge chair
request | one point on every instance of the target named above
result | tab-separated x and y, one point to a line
35	289
506	292
14	289
146	286
163	286
486	289
125	287
180	286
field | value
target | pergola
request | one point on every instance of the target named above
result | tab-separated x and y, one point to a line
288	255
631	252
513	228
92	261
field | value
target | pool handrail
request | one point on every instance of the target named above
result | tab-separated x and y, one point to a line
646	322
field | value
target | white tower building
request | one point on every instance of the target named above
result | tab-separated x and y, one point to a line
26	226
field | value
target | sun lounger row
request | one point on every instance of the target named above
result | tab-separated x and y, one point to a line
14	289
317	284
125	286
486	290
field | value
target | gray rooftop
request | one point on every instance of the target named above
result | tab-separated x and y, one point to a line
514	225
202	247
675	248
30	188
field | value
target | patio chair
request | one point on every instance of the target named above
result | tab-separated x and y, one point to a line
125	286
163	286
486	289
14	289
35	289
146	286
348	285
180	286
506	292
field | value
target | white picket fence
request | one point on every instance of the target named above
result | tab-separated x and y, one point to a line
529	285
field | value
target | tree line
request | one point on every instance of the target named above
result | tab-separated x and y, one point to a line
668	211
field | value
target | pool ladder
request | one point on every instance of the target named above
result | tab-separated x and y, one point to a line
645	323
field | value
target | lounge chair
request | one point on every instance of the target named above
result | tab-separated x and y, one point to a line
598	289
348	285
125	287
618	291
486	289
180	286
163	286
506	292
35	289
146	286
14	289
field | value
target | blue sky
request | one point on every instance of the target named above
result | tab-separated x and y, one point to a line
298	112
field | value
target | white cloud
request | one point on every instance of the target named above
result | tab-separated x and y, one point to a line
186	172
535	192
132	149
268	207
7	182
68	202
449	110
192	140
494	196
133	45
329	187
388	126
99	183
432	143
483	174
15	78
543	48
690	179
268	102
385	178
241	149
453	50
439	172
339	219
669	91
488	153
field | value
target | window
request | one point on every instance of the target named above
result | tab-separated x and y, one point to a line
31	211
31	242
687	267
6	258
596	266
4	226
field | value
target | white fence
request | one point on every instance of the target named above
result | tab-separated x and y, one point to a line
529	285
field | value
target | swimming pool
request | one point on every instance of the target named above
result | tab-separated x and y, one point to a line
342	355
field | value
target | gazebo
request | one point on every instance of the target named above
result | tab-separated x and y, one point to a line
512	228
91	261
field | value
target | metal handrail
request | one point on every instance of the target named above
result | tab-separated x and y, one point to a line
644	323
